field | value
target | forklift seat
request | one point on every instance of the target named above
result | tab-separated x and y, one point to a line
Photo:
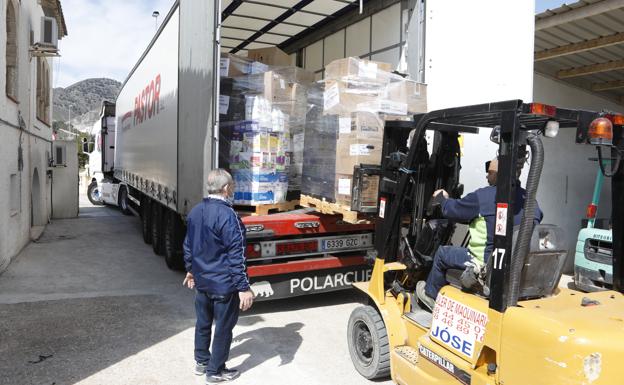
542	270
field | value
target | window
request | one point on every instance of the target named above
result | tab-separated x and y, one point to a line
15	198
59	155
11	51
43	90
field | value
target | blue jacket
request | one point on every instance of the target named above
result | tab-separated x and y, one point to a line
214	248
478	210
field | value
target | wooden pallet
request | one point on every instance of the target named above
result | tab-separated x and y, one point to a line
326	207
267	208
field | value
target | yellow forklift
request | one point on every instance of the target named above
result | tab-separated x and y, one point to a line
508	321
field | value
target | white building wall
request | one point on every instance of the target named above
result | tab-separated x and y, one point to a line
27	202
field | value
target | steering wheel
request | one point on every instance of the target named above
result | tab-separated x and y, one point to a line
434	207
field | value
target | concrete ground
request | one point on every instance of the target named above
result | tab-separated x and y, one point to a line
89	303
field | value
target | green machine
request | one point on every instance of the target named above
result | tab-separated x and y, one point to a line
593	260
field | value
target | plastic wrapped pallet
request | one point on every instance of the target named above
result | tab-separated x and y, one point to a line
357	98
262	126
319	156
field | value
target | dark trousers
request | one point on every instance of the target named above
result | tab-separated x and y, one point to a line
447	257
223	312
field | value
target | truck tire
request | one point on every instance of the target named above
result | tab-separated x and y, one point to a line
173	235
94	195
157	228
123	201
146	220
368	343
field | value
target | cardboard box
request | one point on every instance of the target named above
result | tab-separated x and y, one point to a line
262	162
352	67
361	124
342	97
271	56
232	65
409	92
295	75
383	106
368	195
277	89
351	152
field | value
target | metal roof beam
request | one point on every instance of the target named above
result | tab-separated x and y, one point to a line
278	20
343	18
284	7
255	30
578	13
591	69
612	85
582	46
230	9
271	20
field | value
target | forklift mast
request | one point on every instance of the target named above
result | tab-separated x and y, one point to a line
409	175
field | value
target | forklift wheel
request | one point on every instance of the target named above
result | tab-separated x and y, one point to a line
368	343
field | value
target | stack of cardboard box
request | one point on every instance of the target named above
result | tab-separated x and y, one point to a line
358	96
261	120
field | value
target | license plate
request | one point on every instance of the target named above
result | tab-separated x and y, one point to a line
341	243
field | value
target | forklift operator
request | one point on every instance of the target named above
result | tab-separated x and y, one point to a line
478	209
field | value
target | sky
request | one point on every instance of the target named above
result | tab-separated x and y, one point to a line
106	37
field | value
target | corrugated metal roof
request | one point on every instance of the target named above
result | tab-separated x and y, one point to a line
587	34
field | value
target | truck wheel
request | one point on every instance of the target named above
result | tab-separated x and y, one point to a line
146	220
368	343
94	195
173	241
157	228
123	201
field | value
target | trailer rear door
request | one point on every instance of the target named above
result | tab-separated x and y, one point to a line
197	92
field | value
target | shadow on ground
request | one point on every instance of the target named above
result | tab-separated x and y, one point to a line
90	294
263	344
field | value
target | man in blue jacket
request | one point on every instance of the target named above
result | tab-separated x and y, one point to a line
214	256
478	210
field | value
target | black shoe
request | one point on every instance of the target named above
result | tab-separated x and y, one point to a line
230	373
200	369
225	376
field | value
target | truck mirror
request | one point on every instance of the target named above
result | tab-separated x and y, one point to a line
85	146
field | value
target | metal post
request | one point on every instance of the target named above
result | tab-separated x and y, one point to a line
505	194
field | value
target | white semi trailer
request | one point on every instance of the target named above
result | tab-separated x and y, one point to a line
166	132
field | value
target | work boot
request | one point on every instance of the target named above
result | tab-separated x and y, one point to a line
200	369
422	295
225	376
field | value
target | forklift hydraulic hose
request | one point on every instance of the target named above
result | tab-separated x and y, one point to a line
521	248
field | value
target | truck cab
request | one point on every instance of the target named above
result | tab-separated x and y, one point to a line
101	153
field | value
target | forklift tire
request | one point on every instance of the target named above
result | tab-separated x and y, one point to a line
123	201
146	221
173	240
157	228
368	343
94	194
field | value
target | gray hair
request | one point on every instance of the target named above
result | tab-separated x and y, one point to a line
217	180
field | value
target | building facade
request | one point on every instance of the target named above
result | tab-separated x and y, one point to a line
26	119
